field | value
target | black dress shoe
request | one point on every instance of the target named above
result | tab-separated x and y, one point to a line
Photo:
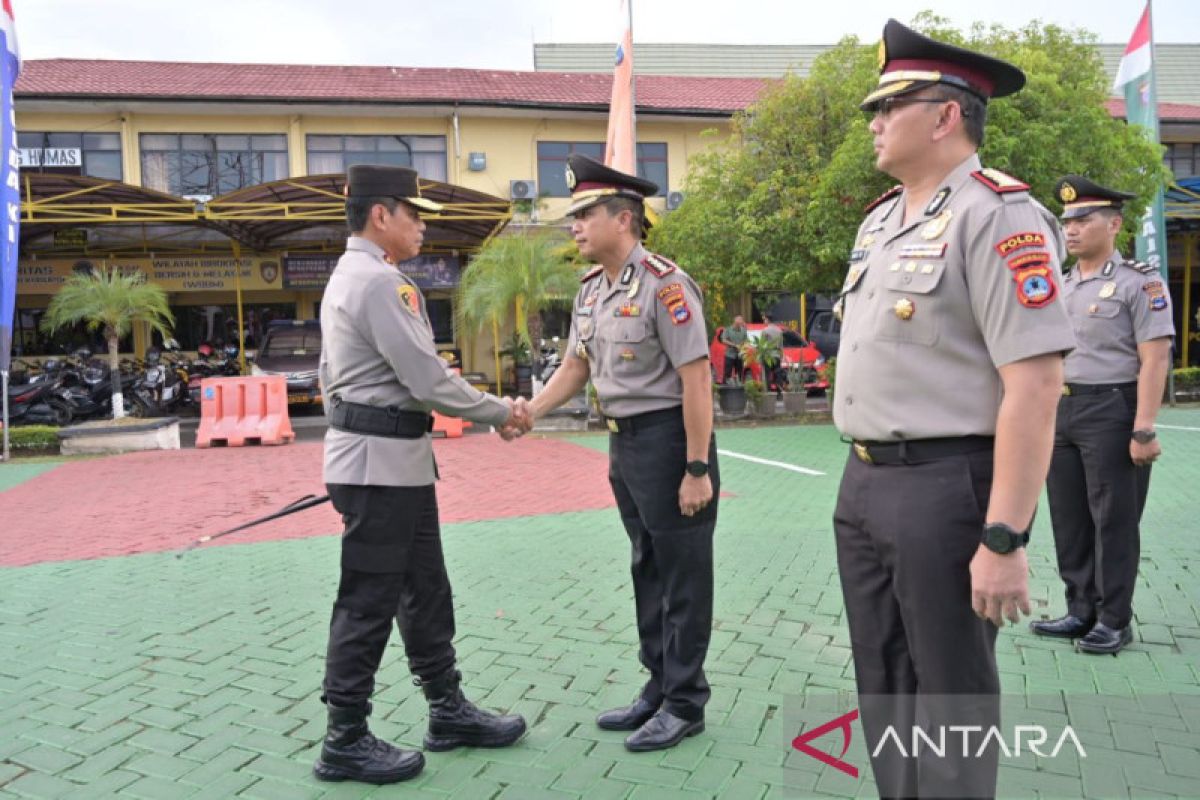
627	718
1068	627
1103	640
662	731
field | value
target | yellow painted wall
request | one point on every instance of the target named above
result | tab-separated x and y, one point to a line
509	142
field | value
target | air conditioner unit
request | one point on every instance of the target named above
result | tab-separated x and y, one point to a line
522	190
674	200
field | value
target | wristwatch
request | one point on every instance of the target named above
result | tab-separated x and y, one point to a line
697	469
1145	436
1000	538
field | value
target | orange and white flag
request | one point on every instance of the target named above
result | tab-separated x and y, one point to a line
620	148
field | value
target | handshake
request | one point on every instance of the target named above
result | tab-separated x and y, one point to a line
520	419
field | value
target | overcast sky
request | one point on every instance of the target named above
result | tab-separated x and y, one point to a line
499	34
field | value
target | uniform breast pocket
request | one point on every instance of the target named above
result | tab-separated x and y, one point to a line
912	303
631	346
1098	324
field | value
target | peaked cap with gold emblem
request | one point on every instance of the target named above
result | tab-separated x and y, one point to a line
909	61
591	182
369	180
1081	197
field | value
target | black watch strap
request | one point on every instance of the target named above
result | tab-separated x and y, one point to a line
1003	539
697	469
1145	436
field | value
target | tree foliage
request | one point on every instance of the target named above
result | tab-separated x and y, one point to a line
777	205
519	274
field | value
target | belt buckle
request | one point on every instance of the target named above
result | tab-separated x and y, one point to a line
612	425
864	455
1066	390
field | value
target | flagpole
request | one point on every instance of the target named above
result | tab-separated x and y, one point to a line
1165	270
632	90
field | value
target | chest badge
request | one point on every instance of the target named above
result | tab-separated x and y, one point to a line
628	310
1108	289
585	328
904	309
633	289
867	240
937	226
628	355
1094	308
581	351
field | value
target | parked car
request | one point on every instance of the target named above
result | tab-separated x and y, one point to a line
825	331
292	348
796	352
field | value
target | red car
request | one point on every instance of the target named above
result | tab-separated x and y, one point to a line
795	351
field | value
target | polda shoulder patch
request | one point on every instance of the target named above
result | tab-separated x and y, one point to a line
999	182
890	193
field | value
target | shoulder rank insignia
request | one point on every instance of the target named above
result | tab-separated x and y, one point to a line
591	273
658	266
998	182
1140	266
890	193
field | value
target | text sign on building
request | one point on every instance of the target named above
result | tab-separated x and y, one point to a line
427	272
51	157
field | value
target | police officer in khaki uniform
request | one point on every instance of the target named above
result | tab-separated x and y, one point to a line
949	370
381	377
1104	439
637	330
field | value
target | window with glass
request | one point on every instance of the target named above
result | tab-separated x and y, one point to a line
29	339
211	163
552	164
1181	158
441	319
94	154
217	324
333	154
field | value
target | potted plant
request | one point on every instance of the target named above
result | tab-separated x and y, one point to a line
766	353
518	350
795	396
761	402
731	397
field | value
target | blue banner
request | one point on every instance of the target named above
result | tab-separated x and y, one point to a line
10	186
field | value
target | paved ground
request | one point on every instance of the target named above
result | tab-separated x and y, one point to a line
128	672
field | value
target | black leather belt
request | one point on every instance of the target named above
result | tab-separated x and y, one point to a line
375	421
1071	389
918	451
642	421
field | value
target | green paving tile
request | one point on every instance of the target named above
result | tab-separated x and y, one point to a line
15	473
147	662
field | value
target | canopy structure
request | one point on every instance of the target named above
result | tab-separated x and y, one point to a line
1182	205
66	215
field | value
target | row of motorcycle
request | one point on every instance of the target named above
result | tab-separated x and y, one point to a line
80	387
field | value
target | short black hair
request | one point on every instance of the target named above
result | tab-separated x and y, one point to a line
616	205
973	108
358	210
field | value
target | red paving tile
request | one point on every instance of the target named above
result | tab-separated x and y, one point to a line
163	500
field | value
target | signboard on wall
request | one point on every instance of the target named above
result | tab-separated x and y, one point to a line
175	274
50	157
427	272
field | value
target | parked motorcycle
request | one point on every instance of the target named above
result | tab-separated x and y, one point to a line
36	403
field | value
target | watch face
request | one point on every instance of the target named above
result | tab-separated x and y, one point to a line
997	540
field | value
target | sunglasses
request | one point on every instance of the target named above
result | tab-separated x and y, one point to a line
887	105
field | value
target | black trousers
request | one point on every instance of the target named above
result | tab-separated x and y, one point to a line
1097	495
392	569
672	561
906	534
733	366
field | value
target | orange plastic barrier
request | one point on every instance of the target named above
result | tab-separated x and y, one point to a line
450	427
244	410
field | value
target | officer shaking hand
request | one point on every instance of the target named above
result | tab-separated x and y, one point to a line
381	375
637	330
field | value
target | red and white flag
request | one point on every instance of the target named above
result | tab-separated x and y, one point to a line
1138	59
619	151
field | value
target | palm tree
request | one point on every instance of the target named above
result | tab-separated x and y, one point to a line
110	300
521	273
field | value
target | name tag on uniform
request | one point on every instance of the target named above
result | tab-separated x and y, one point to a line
924	250
857	255
585	311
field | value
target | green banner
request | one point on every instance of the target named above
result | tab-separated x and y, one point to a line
1141	108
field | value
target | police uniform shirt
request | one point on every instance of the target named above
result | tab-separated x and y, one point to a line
378	349
932	305
1113	311
637	332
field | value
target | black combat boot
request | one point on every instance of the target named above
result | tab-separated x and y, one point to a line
454	721
351	753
